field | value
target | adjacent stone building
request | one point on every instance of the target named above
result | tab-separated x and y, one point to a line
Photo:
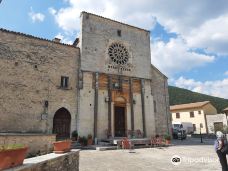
103	84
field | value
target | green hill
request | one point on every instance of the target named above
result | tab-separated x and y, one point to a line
181	96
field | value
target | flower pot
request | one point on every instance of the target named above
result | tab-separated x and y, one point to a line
167	141
12	157
90	142
62	146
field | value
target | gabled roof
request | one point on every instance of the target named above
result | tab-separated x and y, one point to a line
34	37
189	105
226	109
84	12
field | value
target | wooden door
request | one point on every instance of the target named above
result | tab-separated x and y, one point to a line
61	124
120	121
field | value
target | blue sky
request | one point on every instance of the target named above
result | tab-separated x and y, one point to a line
188	39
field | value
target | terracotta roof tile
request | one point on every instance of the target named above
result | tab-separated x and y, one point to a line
189	105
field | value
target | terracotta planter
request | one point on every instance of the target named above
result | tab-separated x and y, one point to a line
90	142
62	146
12	157
167	141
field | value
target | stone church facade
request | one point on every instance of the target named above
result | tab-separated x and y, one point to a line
102	84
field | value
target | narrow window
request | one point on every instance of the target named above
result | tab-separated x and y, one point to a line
191	114
199	112
155	107
194	127
177	115
64	82
119	33
201	125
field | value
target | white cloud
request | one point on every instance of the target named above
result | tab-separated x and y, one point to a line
226	73
211	35
36	17
175	56
64	39
68	18
52	11
215	88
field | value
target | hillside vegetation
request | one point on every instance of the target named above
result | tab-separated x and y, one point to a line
181	96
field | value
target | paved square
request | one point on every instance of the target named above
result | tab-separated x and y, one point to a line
193	157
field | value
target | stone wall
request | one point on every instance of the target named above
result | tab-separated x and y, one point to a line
51	162
161	99
37	143
211	119
31	70
98	33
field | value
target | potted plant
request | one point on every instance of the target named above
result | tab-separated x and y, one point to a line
83	141
167	138
12	155
62	146
74	135
89	139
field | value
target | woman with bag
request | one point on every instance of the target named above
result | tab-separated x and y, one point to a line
220	143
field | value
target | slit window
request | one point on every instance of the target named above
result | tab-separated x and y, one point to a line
155	107
64	82
119	33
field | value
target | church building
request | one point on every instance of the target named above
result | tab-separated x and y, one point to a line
103	84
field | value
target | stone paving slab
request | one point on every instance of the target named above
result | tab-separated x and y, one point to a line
193	157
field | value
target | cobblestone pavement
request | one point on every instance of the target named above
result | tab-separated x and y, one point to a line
200	157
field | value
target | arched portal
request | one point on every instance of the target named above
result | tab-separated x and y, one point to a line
120	117
61	124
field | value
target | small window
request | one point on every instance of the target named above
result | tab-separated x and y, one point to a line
177	115
199	112
155	107
201	125
191	114
119	33
64	82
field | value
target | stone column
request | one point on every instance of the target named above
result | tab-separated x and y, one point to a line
109	103
132	104
143	106
96	76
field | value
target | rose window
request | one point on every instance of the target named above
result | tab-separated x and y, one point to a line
118	53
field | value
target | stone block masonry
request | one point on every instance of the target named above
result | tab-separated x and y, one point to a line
37	143
51	162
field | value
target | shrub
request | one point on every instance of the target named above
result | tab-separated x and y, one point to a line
11	146
167	137
75	134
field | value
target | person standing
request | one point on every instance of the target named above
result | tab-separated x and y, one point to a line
219	144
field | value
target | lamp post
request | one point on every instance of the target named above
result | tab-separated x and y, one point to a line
201	137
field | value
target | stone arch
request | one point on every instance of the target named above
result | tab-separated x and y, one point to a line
62	123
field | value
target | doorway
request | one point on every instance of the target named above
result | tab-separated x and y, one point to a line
61	124
120	121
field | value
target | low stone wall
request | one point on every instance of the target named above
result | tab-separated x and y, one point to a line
51	162
37	143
